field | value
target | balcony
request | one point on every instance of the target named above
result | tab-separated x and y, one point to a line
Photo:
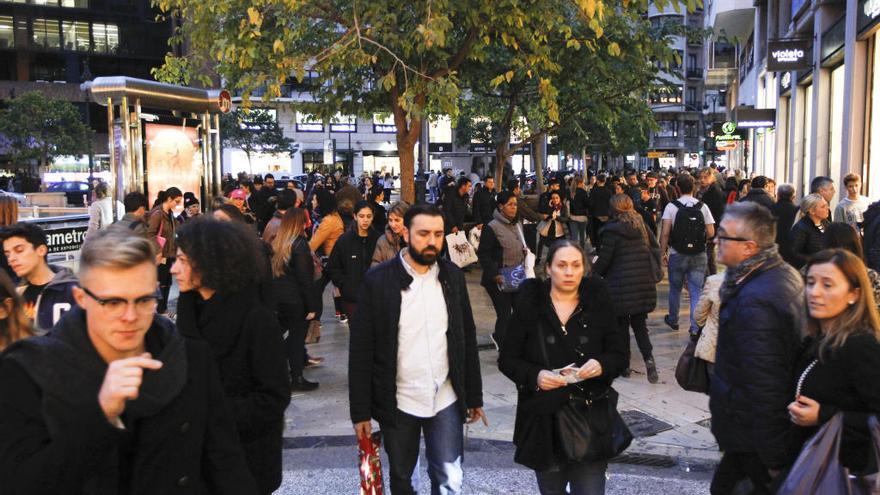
695	73
732	18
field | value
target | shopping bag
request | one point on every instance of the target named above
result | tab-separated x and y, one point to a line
460	250
474	237
370	464
691	372
818	468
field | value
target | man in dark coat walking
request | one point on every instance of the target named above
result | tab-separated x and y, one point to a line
484	203
760	323
758	192
413	373
114	400
712	195
455	206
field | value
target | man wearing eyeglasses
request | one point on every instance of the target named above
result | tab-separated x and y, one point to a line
113	400
762	313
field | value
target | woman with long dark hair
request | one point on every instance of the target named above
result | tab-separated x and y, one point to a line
840	368
14	323
293	280
625	263
8	216
160	230
566	322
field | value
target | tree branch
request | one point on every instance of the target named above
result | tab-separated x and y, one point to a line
463	51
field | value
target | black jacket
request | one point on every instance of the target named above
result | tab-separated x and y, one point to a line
716	200
593	327
188	446
785	213
580	203
872	236
247	345
350	260
600	200
380	216
624	261
758	343
759	196
805	240
484	206
455	210
845	380
372	356
297	287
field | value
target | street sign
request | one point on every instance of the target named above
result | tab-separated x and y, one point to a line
656	154
329	151
224	101
66	239
788	55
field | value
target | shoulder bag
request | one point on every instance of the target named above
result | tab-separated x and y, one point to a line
588	426
513	276
691	372
159	239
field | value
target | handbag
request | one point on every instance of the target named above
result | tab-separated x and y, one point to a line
588	426
818	468
370	464
159	239
513	276
313	334
691	372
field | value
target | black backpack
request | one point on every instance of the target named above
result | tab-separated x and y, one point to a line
689	229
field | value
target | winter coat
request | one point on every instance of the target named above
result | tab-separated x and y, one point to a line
845	380
101	214
871	225
380	217
600	201
55	299
493	247
59	441
387	246
524	211
580	203
592	326
327	234
706	316
758	340
372	356
455	209
158	220
760	196
484	206
625	263
297	286
247	346
350	260
785	213
716	200
806	240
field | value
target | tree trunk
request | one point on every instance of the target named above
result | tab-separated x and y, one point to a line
407	135
250	167
502	153
540	161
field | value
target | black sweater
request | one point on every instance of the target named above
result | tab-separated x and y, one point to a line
845	380
350	260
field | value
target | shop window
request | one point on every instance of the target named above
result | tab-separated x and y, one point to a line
836	123
47	33
308	123
668	128
76	36
7	35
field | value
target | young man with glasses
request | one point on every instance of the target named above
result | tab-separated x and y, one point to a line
113	399
46	289
761	315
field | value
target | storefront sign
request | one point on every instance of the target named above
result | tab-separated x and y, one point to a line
725	146
788	55
785	82
439	147
754	118
727	135
656	154
66	240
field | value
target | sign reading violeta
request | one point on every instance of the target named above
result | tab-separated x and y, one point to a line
788	55
66	239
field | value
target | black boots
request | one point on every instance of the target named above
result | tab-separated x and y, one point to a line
300	384
651	369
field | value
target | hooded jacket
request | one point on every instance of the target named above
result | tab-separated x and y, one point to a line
246	342
54	437
55	300
625	263
387	247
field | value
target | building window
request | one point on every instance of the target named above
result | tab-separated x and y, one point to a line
343	123
692	96
47	33
440	130
668	128
308	123
53	3
691	129
79	4
384	124
76	35
835	124
106	37
7	35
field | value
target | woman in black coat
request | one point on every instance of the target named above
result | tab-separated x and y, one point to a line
840	368
218	273
785	212
293	272
807	236
567	319
625	262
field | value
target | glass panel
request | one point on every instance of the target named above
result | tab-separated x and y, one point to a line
440	131
808	127
112	37
76	35
874	137
44	2
47	33
99	31
343	123
80	4
7	36
384	124
308	123
836	124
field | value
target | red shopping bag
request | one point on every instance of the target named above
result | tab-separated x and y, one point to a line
370	464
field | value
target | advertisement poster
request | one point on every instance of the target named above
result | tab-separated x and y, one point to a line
173	159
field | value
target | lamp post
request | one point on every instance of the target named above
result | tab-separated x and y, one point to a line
87	76
714	99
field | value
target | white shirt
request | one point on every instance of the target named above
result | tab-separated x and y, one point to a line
851	212
423	384
687	200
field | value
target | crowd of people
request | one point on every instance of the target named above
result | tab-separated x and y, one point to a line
108	383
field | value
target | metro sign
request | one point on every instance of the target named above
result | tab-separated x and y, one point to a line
224	101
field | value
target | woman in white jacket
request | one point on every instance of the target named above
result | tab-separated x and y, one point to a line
101	213
706	316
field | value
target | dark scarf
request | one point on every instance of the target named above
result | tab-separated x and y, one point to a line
733	277
218	321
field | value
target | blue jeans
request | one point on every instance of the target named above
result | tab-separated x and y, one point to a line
444	449
584	479
690	267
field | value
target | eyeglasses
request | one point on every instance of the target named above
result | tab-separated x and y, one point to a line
116	306
723	237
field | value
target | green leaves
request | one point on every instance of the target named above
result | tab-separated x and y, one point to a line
41	128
